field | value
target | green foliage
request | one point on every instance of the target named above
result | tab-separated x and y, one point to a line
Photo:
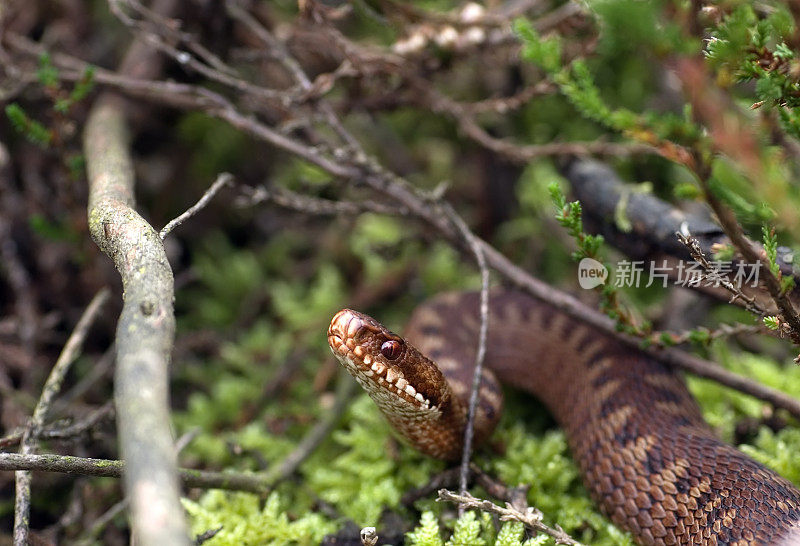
777	451
471	530
47	73
31	129
53	231
723	407
544	463
772	322
569	215
733	188
771	249
79	92
48	76
751	45
628	20
427	532
245	522
543	52
362	481
635	27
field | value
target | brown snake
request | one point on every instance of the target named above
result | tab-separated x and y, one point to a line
646	455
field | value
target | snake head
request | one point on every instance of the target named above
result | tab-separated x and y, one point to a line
395	374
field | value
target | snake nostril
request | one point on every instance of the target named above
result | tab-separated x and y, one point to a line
354	326
345	325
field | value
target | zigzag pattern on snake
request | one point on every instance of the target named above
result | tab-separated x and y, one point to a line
646	455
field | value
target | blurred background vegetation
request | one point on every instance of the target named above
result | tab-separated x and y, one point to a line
257	283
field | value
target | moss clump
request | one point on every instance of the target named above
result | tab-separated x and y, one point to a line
244	521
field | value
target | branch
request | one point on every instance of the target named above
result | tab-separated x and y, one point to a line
110	468
51	388
531	518
224	179
146	328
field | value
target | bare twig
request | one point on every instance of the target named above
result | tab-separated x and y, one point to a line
450	477
480	354
715	275
312	205
74	430
735	233
531	518
292	66
51	388
223	179
234	481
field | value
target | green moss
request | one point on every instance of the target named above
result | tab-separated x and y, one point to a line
362	480
245	522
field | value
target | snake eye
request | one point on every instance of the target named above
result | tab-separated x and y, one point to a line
391	349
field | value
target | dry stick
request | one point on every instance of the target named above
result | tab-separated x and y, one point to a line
145	331
749	302
531	518
110	468
292	66
146	327
480	354
66	432
312	205
22	502
734	231
222	180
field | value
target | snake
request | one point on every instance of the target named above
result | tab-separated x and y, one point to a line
647	457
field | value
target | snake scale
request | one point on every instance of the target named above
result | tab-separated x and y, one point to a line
645	453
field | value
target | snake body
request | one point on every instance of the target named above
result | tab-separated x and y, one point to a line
645	453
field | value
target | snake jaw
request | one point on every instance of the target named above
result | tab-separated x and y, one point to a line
356	340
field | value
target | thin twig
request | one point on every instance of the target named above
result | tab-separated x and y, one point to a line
222	180
292	66
480	355
450	477
74	430
715	275
110	468
313	205
734	231
531	518
51	388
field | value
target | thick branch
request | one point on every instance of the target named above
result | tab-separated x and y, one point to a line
145	332
146	328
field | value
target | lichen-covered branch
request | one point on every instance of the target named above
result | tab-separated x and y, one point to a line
145	332
146	328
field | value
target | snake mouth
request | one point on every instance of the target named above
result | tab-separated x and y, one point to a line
358	342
